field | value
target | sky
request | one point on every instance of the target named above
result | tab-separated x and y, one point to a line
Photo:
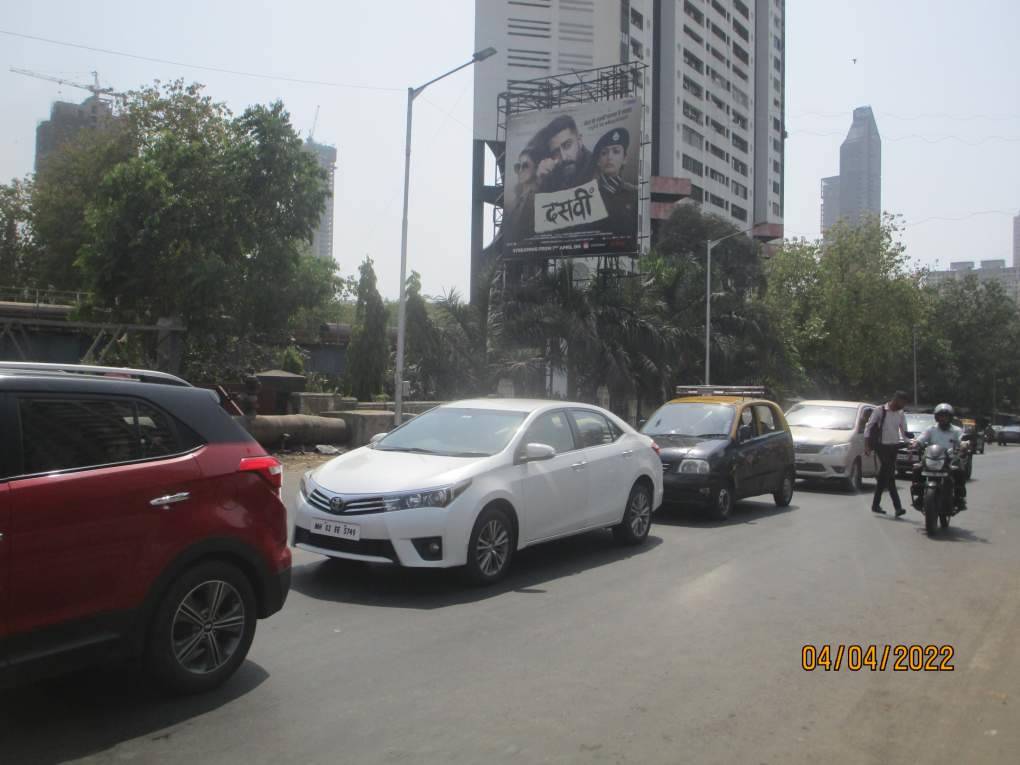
941	77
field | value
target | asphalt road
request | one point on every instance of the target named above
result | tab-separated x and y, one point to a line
686	650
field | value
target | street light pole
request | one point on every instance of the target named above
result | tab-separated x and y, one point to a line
915	365
709	246
413	93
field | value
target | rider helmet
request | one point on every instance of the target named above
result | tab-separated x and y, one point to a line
944	416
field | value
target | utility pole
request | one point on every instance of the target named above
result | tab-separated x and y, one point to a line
915	364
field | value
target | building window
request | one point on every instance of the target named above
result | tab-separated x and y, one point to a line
741	54
697	194
693	113
775	166
741	98
718	177
742	9
636	48
693	35
739	189
692	165
719	128
738	212
776	209
777	64
740	166
717	201
720	10
775	186
777	125
718	55
692	138
739	142
719	103
693	88
741	31
777	84
719	80
716	151
718	32
637	19
739	119
777	145
694	62
777	43
740	73
694	13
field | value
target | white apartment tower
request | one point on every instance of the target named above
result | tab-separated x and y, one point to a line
721	76
322	237
714	119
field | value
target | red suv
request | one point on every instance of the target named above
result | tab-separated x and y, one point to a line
137	519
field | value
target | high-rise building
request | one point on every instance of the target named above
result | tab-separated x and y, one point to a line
66	120
830	201
1016	241
989	270
714	94
322	238
857	191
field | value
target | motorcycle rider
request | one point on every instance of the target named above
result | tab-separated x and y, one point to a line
950	438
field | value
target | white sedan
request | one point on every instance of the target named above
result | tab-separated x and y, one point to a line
469	483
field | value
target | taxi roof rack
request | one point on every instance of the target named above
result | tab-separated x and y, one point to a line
740	391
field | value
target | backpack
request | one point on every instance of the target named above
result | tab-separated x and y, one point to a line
874	436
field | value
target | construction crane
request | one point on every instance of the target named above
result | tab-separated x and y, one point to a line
311	133
94	88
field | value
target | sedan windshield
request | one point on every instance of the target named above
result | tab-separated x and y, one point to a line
822	417
704	420
454	432
917	423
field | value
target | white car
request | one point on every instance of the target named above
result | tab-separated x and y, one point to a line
828	441
471	482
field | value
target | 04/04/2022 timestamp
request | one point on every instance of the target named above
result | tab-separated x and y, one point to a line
877	658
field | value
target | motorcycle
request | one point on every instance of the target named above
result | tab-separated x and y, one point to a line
934	494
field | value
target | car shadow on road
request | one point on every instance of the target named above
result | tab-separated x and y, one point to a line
744	511
346	581
89	712
833	487
954	534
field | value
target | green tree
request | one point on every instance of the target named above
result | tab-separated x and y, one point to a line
427	366
17	241
846	307
368	352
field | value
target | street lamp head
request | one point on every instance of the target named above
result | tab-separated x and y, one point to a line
484	54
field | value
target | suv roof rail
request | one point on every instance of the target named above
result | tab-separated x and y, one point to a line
137	375
741	391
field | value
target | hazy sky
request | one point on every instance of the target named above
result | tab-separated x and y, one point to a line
941	76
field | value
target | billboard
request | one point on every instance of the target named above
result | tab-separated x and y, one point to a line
571	182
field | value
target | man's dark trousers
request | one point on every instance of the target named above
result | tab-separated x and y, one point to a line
887	475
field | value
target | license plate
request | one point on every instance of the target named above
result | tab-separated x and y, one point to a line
336	529
932	473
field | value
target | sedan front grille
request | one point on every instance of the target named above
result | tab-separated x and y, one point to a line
808	448
355	505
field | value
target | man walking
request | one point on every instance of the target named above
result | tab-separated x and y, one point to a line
883	434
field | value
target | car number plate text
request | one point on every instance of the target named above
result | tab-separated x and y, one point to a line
337	529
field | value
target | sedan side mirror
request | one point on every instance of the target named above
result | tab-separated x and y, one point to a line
537	453
642	422
376	438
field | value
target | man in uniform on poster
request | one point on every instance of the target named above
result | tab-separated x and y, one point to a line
619	196
567	162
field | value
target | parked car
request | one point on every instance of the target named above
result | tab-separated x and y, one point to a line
1008	434
828	441
137	519
917	423
722	444
472	482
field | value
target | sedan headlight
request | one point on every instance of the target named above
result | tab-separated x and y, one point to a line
698	467
429	498
836	450
305	480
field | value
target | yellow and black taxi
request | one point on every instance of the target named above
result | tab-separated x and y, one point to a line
719	444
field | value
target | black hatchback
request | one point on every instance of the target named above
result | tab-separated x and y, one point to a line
717	449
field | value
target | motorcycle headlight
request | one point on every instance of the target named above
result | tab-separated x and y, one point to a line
429	498
836	450
698	467
932	464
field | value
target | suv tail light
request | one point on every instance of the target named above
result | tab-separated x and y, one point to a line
268	468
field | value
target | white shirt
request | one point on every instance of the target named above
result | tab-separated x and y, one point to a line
894	426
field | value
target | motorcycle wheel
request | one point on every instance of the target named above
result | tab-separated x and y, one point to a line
931	511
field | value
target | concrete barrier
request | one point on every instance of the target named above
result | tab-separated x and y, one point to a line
269	429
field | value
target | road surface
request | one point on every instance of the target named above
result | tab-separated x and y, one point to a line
686	650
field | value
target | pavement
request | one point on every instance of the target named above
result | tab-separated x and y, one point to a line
688	649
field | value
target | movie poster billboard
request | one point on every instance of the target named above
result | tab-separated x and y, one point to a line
571	183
